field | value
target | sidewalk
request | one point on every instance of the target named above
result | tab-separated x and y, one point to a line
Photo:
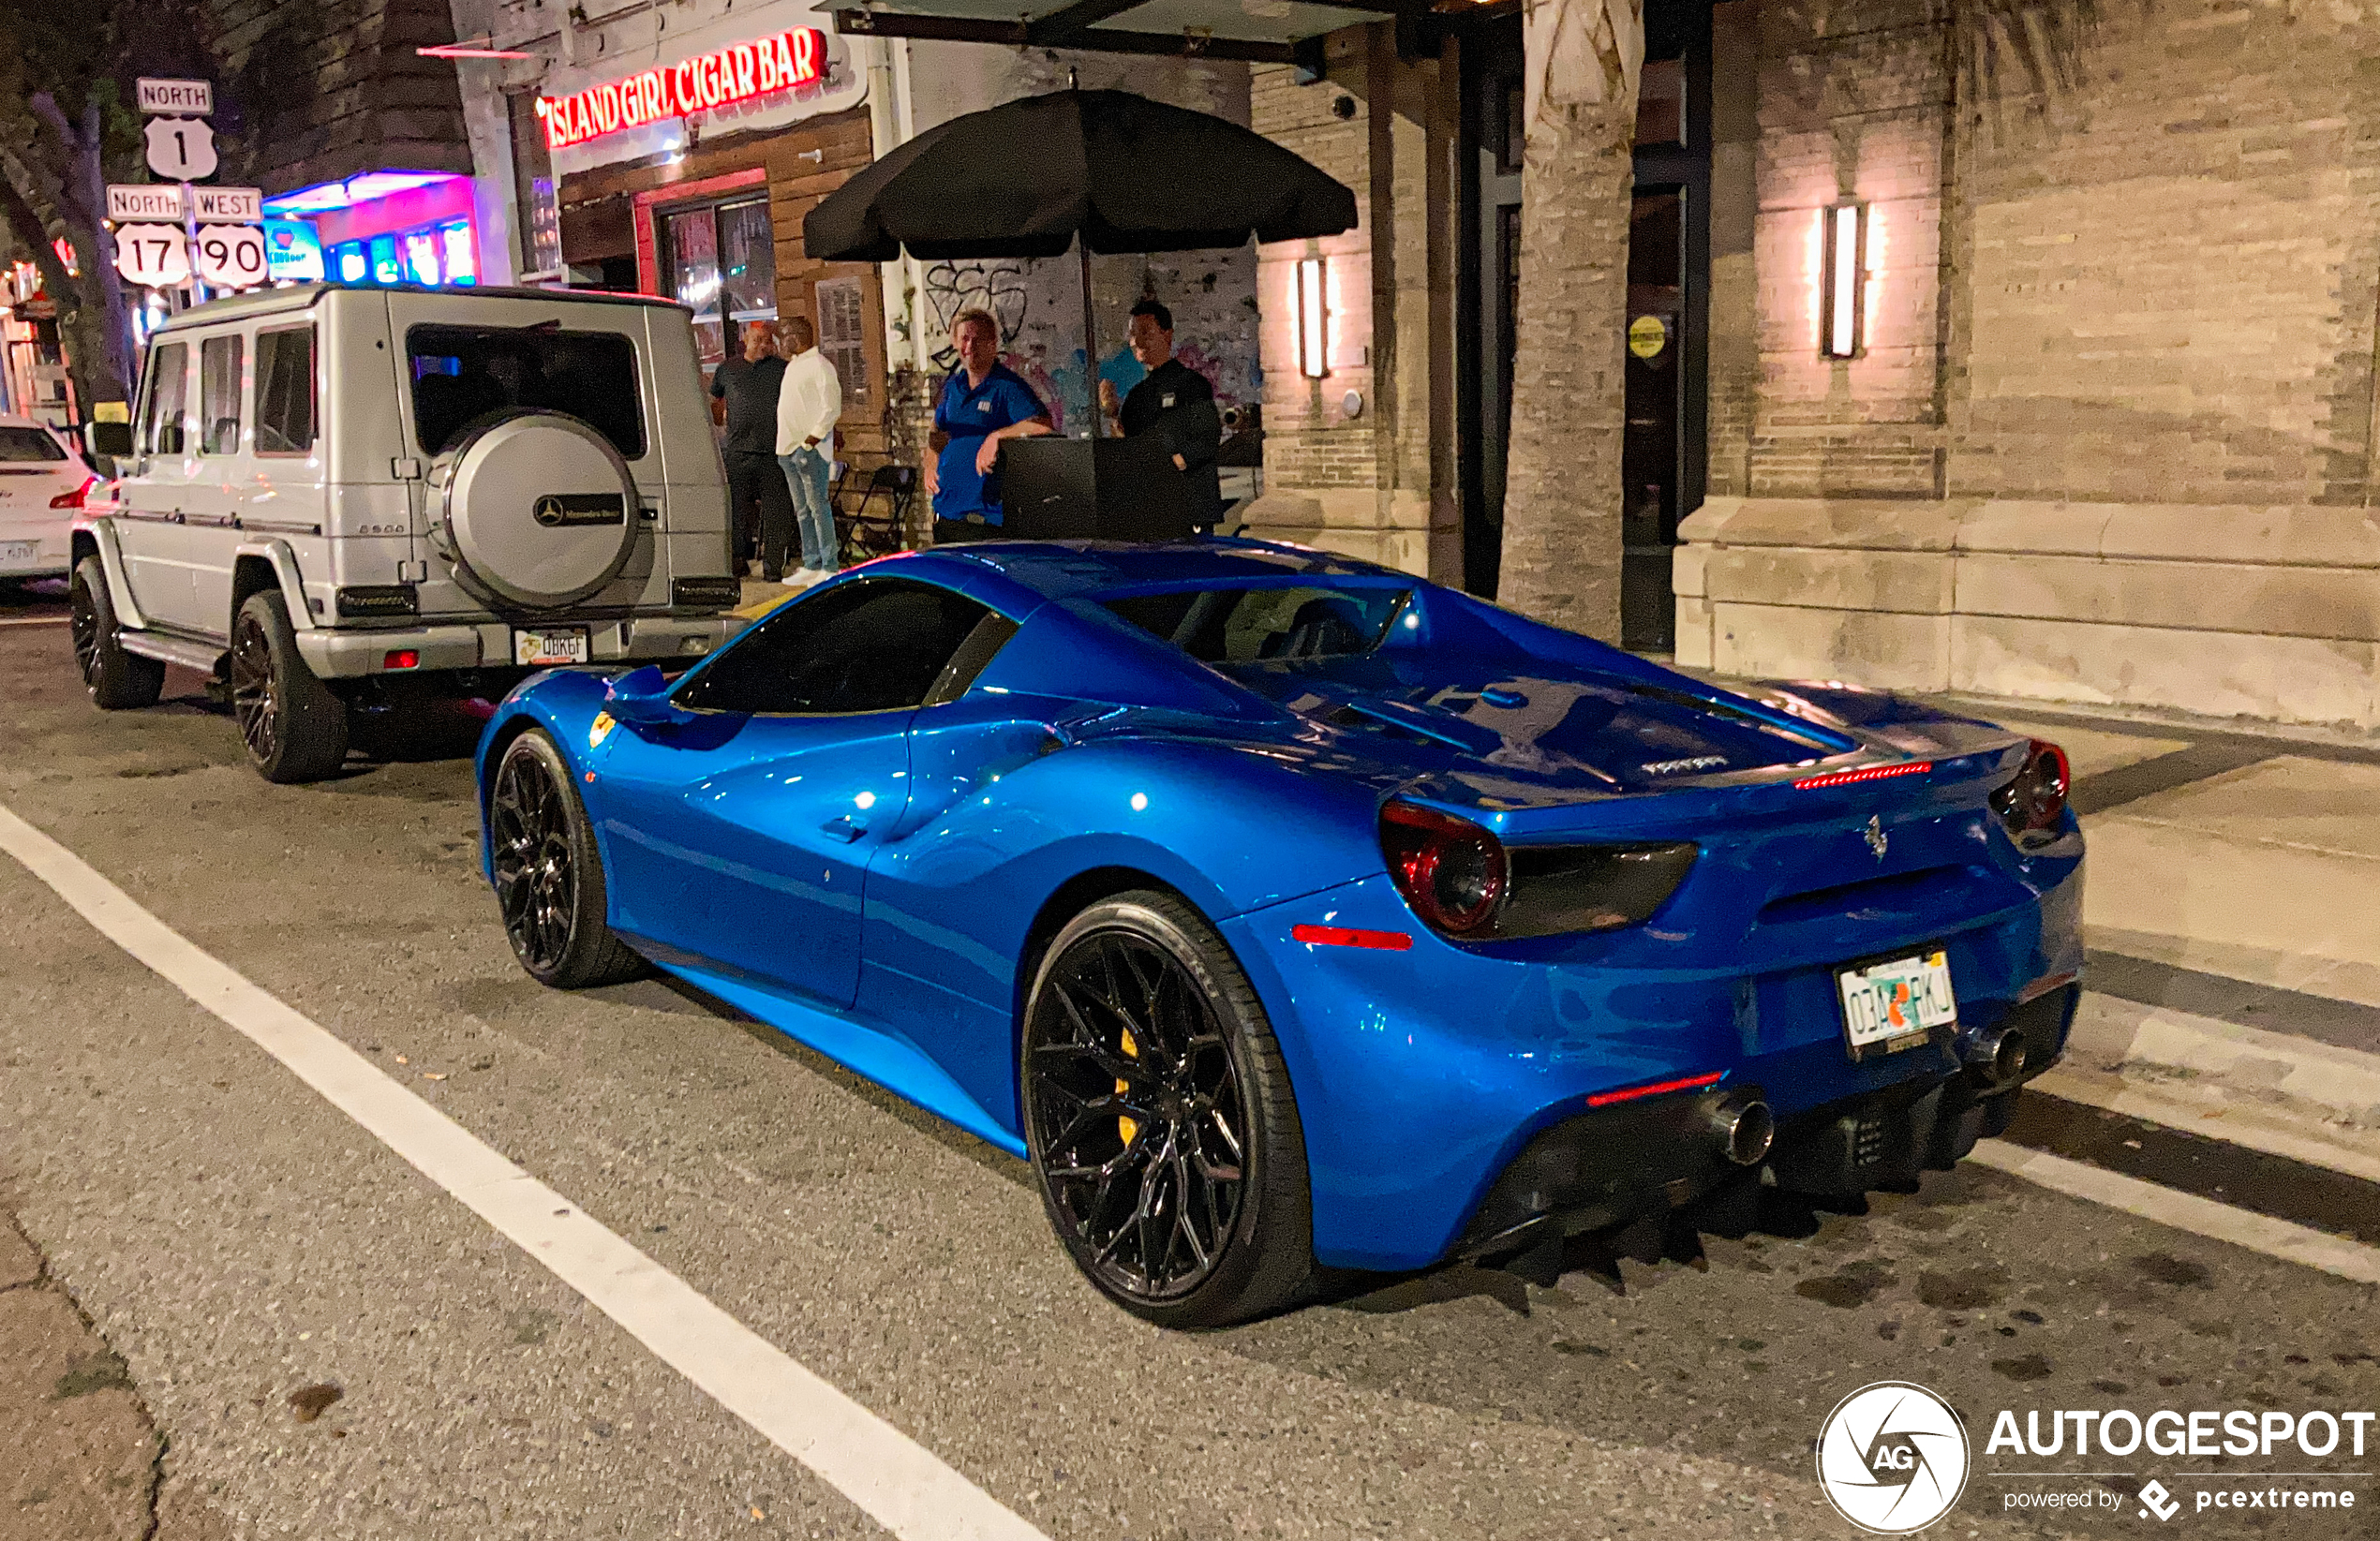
2231	917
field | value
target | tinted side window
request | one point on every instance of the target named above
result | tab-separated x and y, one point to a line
285	391
875	647
219	396
460	374
24	444
168	394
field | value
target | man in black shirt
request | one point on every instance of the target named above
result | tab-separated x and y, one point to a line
1172	401
744	396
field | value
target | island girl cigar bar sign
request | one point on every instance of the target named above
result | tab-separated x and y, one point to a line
787	61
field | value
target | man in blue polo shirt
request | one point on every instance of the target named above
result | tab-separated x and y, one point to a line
983	404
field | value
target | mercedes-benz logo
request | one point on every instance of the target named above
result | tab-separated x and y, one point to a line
547	511
1877	841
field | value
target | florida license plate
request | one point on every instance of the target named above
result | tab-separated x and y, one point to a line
19	551
560	644
1896	1004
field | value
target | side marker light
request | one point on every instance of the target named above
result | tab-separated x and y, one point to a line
1342	936
1685	1082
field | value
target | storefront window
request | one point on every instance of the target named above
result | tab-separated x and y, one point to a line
719	260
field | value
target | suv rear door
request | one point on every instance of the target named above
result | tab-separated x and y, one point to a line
464	385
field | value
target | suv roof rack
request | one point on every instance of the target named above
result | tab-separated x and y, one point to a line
305	296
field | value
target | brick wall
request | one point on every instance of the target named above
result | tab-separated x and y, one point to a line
334	88
2151	280
1351	462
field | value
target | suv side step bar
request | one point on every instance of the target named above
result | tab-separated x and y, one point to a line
204	657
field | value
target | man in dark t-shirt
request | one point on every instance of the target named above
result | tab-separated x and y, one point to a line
1172	401
744	395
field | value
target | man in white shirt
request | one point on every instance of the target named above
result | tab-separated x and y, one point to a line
809	403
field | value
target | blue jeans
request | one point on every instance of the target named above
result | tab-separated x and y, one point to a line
806	474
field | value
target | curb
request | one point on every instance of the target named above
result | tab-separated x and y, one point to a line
2304	1101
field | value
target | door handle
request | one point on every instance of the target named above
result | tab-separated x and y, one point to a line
845	828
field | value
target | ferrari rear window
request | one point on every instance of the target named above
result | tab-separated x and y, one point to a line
1257	625
22	444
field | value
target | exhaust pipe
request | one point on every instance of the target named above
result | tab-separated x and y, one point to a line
1745	1129
2001	1055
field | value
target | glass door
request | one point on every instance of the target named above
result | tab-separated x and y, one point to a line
719	260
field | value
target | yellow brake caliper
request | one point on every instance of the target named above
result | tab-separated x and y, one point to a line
1127	1127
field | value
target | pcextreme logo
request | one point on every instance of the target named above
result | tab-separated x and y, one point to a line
1893	1458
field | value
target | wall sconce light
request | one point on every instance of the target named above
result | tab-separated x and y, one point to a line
1314	320
1840	330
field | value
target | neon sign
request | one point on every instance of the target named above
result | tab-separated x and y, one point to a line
783	63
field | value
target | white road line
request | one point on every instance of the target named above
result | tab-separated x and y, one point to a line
36	620
899	1483
2183	1211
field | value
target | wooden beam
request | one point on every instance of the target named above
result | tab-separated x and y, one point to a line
964	29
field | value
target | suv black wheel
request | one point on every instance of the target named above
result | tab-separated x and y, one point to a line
1160	1121
295	727
116	680
549	876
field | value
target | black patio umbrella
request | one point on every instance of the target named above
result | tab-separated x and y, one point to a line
1121	172
1125	173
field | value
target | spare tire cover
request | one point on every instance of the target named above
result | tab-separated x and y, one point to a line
540	508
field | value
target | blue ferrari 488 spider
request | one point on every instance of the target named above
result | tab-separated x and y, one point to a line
1281	909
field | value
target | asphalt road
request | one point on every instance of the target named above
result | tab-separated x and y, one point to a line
237	1240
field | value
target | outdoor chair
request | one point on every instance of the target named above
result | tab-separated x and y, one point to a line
870	529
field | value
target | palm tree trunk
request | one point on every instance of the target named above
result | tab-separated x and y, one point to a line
1562	469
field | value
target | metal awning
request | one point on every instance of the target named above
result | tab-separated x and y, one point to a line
1259	31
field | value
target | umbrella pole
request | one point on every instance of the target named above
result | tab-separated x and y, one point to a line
1090	345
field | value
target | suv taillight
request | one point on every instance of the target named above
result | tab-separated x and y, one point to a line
1451	871
2036	799
74	499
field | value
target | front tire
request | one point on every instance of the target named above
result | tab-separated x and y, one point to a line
1160	1121
116	680
549	875
295	727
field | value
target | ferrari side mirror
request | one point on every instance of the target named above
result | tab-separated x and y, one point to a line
641	696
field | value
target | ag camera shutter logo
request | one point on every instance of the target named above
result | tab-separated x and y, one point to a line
1893	1458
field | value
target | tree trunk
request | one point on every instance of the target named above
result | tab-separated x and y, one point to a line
1562	493
99	332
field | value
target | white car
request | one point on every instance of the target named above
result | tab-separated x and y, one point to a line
43	482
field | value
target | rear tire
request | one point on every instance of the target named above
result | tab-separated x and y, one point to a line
1160	1121
116	680
549	873
295	727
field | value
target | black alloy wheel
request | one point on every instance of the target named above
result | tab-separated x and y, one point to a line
549	877
114	679
1159	1118
295	726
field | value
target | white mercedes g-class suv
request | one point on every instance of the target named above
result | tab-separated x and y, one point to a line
328	493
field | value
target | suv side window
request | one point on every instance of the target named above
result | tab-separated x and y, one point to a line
161	424
878	645
285	391
219	396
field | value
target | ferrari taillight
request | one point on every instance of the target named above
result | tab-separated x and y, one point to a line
1451	871
74	499
2036	799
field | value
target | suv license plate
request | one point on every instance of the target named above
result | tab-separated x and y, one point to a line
561	644
1895	1004
19	551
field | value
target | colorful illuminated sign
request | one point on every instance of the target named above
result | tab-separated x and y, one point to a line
781	63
